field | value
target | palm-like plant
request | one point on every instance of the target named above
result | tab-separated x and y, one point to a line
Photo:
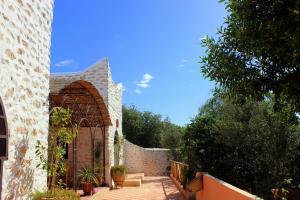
86	175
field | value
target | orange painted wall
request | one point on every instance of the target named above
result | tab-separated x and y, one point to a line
215	189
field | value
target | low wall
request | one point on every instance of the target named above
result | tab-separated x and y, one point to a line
214	189
152	162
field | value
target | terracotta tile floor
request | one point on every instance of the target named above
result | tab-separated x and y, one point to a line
153	188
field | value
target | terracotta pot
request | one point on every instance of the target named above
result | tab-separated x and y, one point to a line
87	188
100	180
118	178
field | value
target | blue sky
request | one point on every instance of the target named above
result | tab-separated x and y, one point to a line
153	47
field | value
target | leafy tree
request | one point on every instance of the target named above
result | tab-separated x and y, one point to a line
152	130
172	139
246	145
132	124
257	52
149	130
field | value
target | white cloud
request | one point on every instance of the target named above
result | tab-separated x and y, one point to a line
183	62
65	63
138	91
144	83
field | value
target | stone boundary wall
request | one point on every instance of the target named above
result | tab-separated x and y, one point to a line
151	161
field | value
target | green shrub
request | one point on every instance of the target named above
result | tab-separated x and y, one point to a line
119	168
58	194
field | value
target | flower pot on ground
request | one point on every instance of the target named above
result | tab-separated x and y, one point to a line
87	187
99	179
99	176
87	180
118	174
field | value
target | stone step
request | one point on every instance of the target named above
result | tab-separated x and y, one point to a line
136	176
132	182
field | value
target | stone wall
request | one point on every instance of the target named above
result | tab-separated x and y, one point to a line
151	161
24	87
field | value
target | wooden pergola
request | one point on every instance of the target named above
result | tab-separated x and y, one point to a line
88	110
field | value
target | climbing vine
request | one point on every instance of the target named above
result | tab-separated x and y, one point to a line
61	133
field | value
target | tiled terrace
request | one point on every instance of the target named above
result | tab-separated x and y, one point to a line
153	188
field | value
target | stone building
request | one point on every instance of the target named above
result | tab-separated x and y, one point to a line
96	102
25	31
24	107
28	92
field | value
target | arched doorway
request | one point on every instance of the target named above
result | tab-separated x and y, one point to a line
3	141
91	114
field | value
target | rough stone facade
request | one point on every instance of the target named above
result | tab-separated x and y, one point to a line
151	161
99	76
24	87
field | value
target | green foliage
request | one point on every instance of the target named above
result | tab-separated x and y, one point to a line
285	187
61	133
86	174
256	56
56	193
149	130
246	145
119	140
132	125
119	168
142	128
257	51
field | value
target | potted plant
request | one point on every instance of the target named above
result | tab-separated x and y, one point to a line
98	174
87	180
288	189
118	174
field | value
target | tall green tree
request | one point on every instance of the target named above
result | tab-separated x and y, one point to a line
257	52
132	124
246	145
172	139
150	130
